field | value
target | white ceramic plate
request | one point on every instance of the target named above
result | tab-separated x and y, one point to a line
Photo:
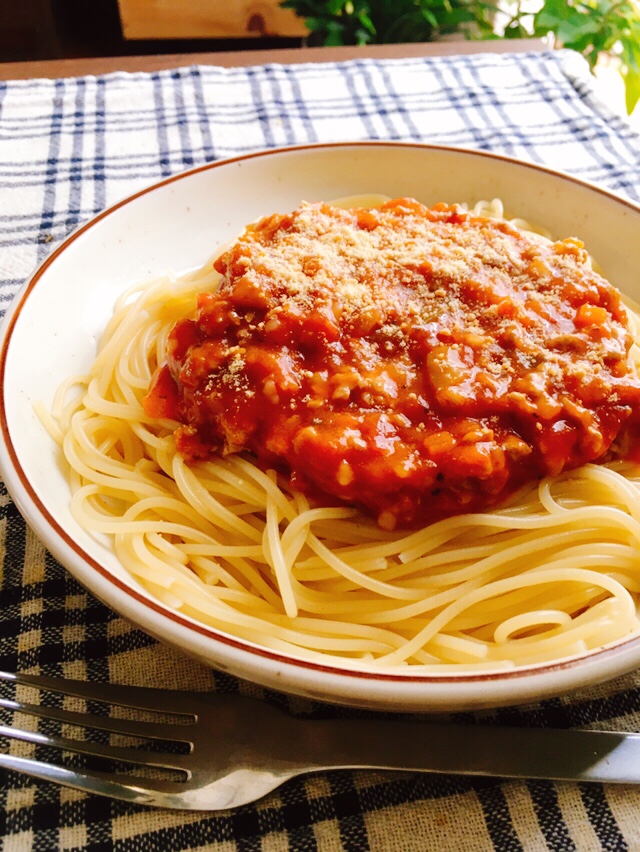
51	329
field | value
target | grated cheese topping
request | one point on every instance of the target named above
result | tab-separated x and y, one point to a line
418	361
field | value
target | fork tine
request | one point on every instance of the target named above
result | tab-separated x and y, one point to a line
155	792
132	727
138	697
121	753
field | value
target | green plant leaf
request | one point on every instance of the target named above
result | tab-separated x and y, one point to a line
565	22
367	24
630	53
314	24
591	27
631	79
404	29
515	30
430	18
362	36
335	7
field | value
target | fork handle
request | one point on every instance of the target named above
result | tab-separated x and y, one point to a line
475	749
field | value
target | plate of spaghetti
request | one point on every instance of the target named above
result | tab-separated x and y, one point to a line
357	421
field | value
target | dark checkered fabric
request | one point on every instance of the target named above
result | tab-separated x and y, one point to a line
68	148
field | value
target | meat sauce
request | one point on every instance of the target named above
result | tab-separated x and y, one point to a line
417	362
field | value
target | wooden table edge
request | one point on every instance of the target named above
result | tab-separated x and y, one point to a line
57	68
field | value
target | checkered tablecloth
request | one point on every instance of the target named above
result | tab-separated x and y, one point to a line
70	147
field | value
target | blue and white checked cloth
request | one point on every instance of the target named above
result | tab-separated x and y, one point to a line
68	148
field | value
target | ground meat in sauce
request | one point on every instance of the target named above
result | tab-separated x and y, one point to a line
416	362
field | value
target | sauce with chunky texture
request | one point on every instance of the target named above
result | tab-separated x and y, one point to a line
417	362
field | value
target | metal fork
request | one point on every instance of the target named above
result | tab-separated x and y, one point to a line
240	748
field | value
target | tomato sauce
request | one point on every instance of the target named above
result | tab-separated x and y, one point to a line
416	362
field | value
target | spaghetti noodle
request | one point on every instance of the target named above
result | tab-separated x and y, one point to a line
549	574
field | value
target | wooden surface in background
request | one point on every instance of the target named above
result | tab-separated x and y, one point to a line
143	19
55	68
